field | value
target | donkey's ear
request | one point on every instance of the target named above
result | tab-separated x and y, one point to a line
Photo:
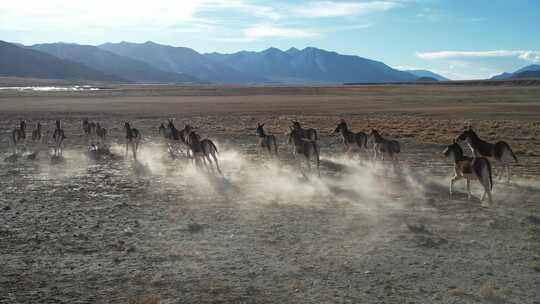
454	141
262	125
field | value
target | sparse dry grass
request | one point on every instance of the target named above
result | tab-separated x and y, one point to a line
535	265
148	299
488	291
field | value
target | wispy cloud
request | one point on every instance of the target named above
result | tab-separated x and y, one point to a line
339	9
69	15
271	31
528	55
239	6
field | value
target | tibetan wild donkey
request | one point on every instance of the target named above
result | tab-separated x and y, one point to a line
133	138
384	148
18	135
351	140
101	133
267	141
175	138
470	168
36	133
499	151
305	147
310	133
58	137
203	151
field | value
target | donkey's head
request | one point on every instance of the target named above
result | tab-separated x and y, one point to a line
453	151
296	124
260	130
341	126
170	124
374	133
293	136
468	133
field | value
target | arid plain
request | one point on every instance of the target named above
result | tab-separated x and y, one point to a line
158	230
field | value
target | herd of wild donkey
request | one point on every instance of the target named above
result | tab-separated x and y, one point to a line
187	142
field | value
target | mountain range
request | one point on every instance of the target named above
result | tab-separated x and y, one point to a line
530	71
155	63
426	73
22	62
111	63
180	60
310	65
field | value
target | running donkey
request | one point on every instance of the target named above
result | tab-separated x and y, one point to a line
499	151
267	141
470	168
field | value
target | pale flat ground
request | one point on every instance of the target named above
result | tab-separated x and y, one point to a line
118	231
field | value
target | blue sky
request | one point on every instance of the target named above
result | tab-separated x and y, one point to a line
459	39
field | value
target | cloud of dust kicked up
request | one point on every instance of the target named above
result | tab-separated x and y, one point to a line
249	180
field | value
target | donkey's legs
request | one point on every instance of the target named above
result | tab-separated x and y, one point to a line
208	163
454	179
137	145
318	159
468	189
213	154
486	183
134	150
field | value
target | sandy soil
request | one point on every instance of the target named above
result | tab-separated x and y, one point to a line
158	230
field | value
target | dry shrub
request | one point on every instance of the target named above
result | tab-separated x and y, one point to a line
151	299
296	285
535	265
488	291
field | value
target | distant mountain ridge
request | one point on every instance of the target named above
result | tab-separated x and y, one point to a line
426	73
22	62
310	65
180	60
526	74
112	64
518	73
150	62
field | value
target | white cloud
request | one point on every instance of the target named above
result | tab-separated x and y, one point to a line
338	9
267	31
240	6
533	56
84	15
